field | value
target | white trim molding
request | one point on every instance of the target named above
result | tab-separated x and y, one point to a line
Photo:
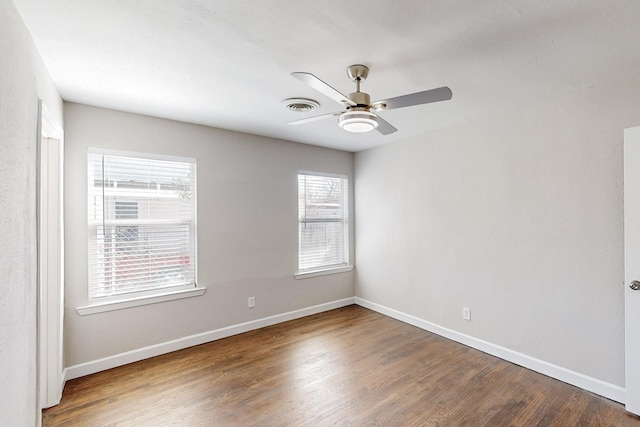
322	272
144	300
602	388
50	234
109	362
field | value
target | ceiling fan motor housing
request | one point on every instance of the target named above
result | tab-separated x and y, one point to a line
360	98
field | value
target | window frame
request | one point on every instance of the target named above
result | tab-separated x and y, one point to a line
138	297
345	266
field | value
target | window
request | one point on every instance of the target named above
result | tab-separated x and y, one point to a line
323	231
142	224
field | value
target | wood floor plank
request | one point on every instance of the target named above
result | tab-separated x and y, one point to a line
346	367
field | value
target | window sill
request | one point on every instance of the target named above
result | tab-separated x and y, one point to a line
324	272
135	302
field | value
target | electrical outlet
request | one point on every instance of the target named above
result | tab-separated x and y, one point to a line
251	302
466	313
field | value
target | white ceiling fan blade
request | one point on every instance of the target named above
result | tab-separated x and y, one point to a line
317	84
384	127
314	118
418	98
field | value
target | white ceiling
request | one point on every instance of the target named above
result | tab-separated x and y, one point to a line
227	63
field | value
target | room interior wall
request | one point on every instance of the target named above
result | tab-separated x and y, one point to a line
23	79
247	230
517	216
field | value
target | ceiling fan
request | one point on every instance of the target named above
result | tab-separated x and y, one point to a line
359	115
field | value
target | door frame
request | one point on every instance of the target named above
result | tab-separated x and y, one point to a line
632	268
50	289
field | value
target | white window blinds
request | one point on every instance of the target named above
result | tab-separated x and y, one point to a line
323	233
142	219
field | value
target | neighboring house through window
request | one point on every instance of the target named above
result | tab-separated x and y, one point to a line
142	224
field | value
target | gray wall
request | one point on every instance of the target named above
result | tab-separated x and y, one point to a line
518	216
247	230
23	79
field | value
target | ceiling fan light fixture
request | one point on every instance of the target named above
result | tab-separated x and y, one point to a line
358	121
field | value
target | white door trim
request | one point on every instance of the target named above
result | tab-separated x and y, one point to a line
50	262
632	267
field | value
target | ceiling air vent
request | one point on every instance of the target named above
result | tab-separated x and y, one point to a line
301	105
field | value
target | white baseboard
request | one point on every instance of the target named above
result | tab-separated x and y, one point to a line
577	379
103	364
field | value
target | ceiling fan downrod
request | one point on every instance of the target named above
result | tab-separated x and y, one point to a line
358	73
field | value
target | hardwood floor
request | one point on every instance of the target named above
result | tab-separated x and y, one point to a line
346	367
